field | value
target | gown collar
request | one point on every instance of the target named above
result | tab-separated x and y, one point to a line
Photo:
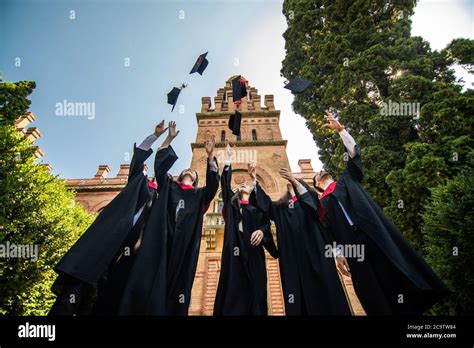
329	189
152	184
185	187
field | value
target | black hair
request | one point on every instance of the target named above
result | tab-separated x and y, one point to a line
325	174
195	183
283	200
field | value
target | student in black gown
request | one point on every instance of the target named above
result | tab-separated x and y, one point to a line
389	276
102	257
242	288
310	282
162	285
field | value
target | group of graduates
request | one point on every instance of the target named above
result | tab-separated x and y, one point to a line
139	256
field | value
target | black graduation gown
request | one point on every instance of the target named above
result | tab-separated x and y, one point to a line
83	266
242	288
162	285
145	291
310	282
112	286
391	267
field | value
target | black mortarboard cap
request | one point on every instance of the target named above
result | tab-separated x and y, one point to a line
234	123
200	65
239	90
298	85
173	95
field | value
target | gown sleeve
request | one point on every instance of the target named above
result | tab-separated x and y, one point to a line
225	184
138	160
260	200
212	182
164	160
267	240
354	164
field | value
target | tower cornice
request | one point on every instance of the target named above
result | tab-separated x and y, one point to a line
244	143
245	114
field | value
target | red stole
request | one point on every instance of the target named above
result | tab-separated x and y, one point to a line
327	192
241	202
185	187
152	184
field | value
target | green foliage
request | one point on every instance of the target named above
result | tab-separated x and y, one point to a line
462	51
13	100
35	208
447	228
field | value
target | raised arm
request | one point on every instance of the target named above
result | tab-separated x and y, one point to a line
212	173
300	189
165	156
226	178
354	163
267	240
143	151
259	197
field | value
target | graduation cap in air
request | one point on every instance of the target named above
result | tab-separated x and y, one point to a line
239	90
234	123
173	95
297	85
200	65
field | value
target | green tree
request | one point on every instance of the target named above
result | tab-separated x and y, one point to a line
36	208
13	100
461	51
350	50
360	57
447	228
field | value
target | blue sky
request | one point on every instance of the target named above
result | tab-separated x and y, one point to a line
83	60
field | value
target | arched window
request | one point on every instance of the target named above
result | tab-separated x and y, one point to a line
223	136
254	135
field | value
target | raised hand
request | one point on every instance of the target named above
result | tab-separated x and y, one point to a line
286	174
172	133
209	146
333	123
252	170
229	150
160	128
